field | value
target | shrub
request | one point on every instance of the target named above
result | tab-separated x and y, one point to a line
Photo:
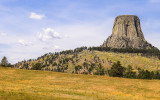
117	70
129	73
37	66
4	61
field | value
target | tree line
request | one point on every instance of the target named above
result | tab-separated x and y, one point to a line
117	70
144	52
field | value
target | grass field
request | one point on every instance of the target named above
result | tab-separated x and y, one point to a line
136	60
16	84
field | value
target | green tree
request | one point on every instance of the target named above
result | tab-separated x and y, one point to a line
85	64
4	62
144	74
156	75
37	66
129	73
117	70
77	68
100	70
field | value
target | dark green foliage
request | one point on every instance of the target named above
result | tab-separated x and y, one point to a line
80	49
66	67
145	52
144	74
4	62
90	70
77	68
58	69
85	64
37	66
99	70
50	61
129	73
156	75
61	68
117	70
25	65
68	59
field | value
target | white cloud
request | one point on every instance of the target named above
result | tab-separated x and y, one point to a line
36	16
3	34
48	34
24	43
56	47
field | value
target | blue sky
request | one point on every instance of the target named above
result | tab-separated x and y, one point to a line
30	28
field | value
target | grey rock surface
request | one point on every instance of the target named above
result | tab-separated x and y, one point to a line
127	33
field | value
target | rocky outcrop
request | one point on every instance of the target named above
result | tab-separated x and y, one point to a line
127	33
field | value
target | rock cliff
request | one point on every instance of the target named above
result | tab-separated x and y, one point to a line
127	33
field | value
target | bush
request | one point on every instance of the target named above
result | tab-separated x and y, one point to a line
144	74
37	66
117	70
4	62
129	73
100	70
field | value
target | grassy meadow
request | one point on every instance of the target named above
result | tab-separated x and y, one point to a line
133	59
19	84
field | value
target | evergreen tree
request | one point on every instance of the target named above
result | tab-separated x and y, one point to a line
117	70
156	75
100	70
4	62
85	65
129	73
144	74
37	66
77	68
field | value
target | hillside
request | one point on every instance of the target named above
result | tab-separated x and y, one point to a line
86	61
27	84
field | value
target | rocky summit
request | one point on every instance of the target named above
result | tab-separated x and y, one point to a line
127	33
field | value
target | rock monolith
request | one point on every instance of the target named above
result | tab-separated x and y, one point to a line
127	33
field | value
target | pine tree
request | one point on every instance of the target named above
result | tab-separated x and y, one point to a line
4	62
37	66
129	73
117	70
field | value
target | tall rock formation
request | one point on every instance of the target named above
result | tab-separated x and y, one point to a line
127	33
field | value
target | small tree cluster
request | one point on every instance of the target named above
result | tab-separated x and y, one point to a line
145	74
117	70
37	66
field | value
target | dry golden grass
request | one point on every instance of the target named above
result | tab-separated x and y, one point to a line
16	84
136	60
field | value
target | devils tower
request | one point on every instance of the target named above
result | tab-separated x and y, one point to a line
127	33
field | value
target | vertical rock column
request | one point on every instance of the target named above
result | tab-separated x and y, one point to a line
127	33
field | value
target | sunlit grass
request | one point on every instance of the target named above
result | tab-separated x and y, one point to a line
136	60
16	84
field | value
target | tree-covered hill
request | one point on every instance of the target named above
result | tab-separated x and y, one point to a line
94	60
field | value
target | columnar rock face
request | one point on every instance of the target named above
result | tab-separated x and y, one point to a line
127	33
